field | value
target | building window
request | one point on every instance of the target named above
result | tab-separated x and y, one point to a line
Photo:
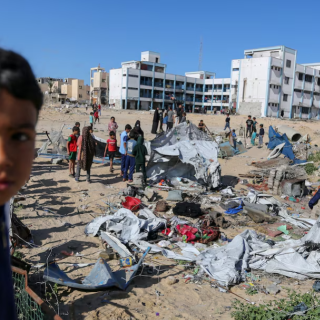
157	60
235	69
308	78
288	63
286	80
305	110
80	95
133	76
103	80
285	97
88	92
300	77
80	87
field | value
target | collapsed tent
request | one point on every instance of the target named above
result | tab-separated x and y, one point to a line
276	139
185	152
292	258
100	277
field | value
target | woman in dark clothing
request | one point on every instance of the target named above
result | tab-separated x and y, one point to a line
161	120
156	119
86	150
137	130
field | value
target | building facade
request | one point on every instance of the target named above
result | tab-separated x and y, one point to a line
99	85
144	84
270	82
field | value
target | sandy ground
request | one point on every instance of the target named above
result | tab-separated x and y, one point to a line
78	203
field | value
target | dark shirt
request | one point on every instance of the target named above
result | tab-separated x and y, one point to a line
314	200
8	311
201	126
228	119
249	123
261	133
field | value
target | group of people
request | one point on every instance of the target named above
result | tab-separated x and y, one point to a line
251	131
168	118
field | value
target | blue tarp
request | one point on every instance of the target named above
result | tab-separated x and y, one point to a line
235	210
275	139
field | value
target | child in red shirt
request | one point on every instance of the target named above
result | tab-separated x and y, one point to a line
112	147
96	116
72	150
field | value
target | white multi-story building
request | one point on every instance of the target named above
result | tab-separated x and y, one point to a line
268	82
144	85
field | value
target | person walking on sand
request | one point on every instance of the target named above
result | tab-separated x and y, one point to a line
130	160
123	147
111	146
72	150
99	109
261	135
140	152
112	126
155	121
249	123
227	125
86	153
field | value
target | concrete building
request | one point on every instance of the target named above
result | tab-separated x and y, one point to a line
80	91
99	85
145	84
269	81
43	83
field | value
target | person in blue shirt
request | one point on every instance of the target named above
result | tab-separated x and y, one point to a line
234	139
314	200
20	102
130	160
91	119
123	147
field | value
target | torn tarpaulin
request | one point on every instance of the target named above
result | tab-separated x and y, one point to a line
100	277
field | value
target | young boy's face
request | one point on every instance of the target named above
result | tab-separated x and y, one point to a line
18	120
128	130
112	137
75	132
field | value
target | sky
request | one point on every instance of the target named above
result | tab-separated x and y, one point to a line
66	38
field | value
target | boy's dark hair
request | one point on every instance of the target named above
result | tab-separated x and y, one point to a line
201	120
111	133
184	114
249	116
127	127
91	113
254	118
233	130
261	125
75	128
17	78
132	135
77	123
113	118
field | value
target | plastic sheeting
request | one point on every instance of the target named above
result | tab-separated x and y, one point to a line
276	139
126	225
291	258
100	277
194	159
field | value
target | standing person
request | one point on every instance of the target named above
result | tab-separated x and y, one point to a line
253	137
227	125
161	120
20	103
155	121
137	130
130	160
140	152
91	119
111	146
99	109
254	123
86	105
72	150
184	117
249	123
86	152
180	112
165	120
176	117
112	126
214	110
261	135
234	139
170	119
96	116
123	147
282	113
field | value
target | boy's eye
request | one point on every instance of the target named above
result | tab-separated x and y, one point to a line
20	136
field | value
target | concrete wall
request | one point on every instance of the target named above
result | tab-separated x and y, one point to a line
115	85
67	89
251	108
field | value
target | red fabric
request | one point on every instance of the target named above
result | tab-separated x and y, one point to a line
112	144
73	143
99	107
96	114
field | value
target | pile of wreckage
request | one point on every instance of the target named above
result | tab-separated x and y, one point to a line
189	225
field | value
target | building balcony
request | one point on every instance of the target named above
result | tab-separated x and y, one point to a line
190	88
180	87
158	96
198	100
146	83
158	84
189	99
145	95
